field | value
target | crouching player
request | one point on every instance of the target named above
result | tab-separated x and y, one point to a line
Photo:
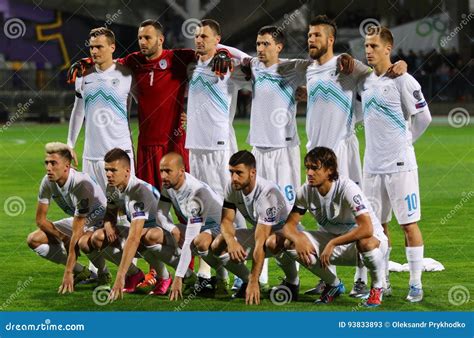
348	227
264	206
83	200
196	203
120	243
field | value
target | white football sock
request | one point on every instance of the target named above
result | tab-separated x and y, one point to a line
97	260
114	255
212	261
415	264
238	269
204	269
326	275
288	265
387	260
360	273
374	261
263	279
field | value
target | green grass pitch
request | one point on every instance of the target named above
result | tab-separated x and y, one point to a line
446	170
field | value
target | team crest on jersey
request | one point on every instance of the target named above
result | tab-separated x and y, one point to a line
417	95
357	199
163	64
271	214
115	82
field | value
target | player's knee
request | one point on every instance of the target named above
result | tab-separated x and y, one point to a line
410	227
201	243
153	236
33	239
367	244
217	246
289	245
84	244
98	238
271	243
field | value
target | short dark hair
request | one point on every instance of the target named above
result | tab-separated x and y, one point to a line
325	20
103	31
155	23
384	33
213	24
275	32
326	157
243	157
117	154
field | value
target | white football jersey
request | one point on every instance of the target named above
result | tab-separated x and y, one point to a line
195	202
336	211
79	196
265	204
209	109
388	105
273	112
139	199
330	114
106	97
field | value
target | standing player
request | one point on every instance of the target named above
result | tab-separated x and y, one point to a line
348	227
264	206
201	208
395	116
103	99
273	131
83	200
210	112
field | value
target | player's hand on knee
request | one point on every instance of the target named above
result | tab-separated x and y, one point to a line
68	283
78	68
252	294
326	255
236	252
222	63
176	289
110	232
398	68
305	250
345	64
